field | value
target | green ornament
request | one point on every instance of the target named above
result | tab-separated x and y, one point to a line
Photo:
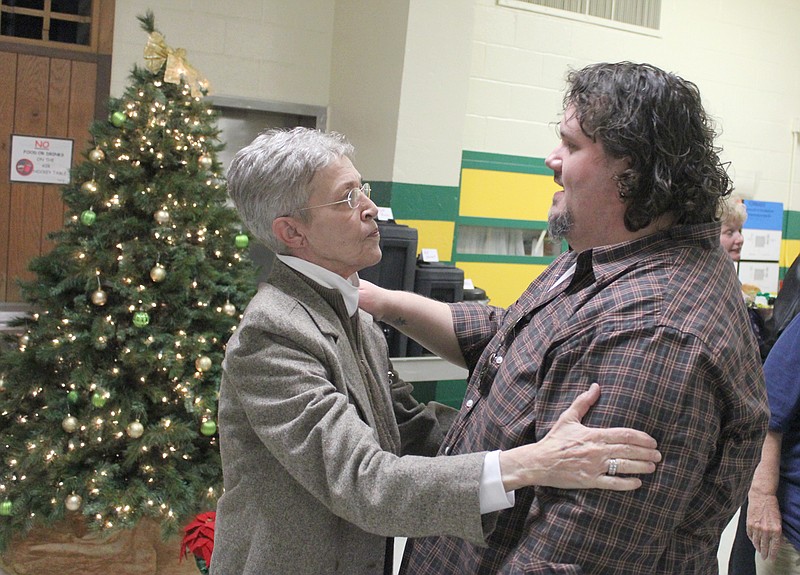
118	118
6	508
242	241
72	396
88	217
208	428
141	318
99	399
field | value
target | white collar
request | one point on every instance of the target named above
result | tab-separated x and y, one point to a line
326	278
565	276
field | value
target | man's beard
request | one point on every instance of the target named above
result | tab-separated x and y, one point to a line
560	225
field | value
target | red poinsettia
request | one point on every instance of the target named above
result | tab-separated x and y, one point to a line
199	539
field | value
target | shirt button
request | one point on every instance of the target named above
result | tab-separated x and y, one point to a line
470	403
447	450
498	360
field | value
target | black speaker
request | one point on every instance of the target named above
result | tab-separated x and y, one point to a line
437	281
395	271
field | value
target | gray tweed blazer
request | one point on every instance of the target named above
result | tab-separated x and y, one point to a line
309	489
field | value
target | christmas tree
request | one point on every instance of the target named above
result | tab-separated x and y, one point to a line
108	395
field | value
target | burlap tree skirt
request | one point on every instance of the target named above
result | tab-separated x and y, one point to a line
70	549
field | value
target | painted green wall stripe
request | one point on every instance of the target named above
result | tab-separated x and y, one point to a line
791	225
497	259
504	163
417	201
501	223
381	193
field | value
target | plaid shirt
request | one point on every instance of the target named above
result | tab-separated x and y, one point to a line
661	324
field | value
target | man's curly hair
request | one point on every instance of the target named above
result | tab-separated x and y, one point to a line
655	119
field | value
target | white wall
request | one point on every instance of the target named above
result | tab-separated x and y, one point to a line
474	75
272	50
743	56
434	92
368	56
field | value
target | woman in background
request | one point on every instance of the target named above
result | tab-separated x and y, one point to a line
734	215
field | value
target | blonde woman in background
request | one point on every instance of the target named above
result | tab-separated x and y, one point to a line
733	217
734	214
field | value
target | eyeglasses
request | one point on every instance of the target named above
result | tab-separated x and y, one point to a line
353	199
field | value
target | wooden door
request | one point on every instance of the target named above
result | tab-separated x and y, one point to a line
47	89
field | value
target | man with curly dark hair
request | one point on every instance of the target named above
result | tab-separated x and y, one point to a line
647	304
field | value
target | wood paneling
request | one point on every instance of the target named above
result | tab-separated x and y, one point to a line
58	118
8	71
30	118
105	26
50	92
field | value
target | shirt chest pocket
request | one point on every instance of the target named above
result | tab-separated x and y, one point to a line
511	397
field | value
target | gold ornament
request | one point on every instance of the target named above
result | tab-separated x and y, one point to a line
99	297
161	216
89	187
73	502
97	155
229	309
205	162
135	429
24	340
158	273
156	53
69	424
203	363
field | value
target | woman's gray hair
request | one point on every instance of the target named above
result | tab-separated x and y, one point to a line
270	177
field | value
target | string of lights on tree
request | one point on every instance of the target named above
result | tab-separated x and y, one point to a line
108	396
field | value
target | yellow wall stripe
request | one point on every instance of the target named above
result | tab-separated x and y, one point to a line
505	195
503	283
789	251
434	234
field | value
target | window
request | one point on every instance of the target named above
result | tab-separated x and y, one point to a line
47	21
506	241
626	14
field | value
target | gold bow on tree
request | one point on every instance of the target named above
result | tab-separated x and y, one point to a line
156	52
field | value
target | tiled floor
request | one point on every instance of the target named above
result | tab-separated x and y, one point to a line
724	550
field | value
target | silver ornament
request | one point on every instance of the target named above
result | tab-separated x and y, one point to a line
135	429
69	424
161	216
203	363
73	502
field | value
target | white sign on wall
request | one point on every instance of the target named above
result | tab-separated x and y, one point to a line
765	275
40	160
761	251
761	245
